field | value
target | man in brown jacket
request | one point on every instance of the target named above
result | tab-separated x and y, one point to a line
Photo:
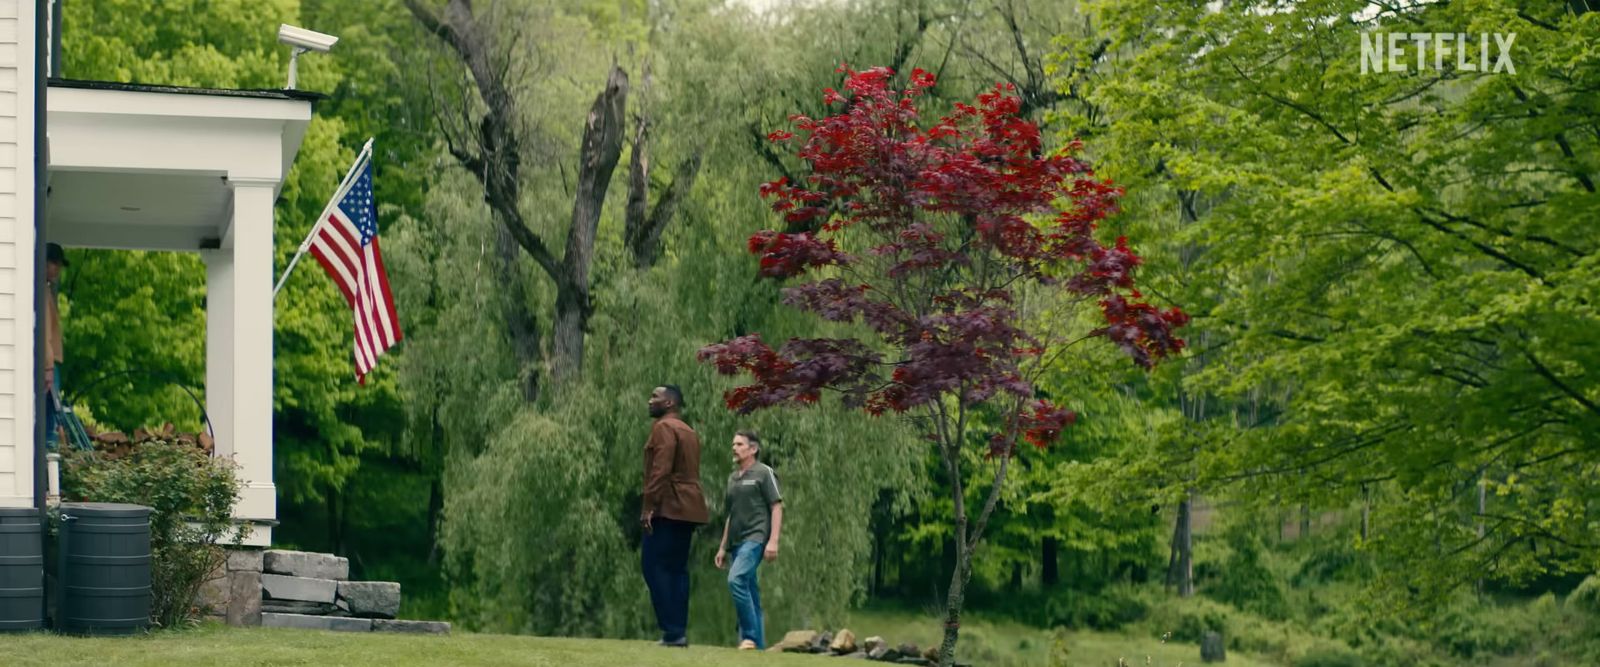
673	506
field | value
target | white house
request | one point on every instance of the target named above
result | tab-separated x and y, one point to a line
107	165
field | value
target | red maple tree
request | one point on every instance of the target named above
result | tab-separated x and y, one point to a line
971	249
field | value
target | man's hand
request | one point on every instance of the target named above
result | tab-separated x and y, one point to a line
722	557
771	552
49	378
644	520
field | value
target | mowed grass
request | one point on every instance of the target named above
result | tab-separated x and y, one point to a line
984	644
274	647
1008	644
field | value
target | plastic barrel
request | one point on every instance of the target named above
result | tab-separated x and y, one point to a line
21	569
105	569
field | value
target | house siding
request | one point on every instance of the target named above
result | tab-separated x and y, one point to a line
16	252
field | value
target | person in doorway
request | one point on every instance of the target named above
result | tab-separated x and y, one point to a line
55	259
672	507
754	508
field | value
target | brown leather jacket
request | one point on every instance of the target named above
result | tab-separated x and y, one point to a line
52	327
672	472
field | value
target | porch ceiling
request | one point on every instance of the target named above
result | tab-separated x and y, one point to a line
158	211
149	167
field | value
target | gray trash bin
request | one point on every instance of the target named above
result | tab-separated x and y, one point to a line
105	569
21	569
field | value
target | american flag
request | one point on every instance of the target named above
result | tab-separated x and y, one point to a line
346	244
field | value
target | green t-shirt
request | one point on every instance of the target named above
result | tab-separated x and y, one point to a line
748	504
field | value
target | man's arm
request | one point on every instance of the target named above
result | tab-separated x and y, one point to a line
774	498
659	454
722	547
771	552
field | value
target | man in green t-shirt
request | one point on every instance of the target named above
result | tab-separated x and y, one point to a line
755	517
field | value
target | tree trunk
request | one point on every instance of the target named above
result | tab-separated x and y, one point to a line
602	149
520	321
966	544
644	240
435	509
953	601
335	522
1050	573
1180	566
1305	520
1366	512
490	148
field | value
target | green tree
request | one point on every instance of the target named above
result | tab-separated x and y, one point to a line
1388	262
144	311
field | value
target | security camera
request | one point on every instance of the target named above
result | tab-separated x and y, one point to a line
305	40
302	40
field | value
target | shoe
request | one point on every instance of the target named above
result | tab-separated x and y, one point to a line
681	642
747	645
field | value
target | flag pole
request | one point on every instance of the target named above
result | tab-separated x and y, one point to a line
338	193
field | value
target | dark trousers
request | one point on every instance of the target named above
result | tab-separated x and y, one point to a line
664	556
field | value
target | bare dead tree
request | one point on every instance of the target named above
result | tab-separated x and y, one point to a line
1025	67
643	225
490	147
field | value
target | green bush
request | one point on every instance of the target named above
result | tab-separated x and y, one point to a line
1108	609
1470	628
1245	581
1333	561
1329	656
191	497
1189	620
1586	597
1393	650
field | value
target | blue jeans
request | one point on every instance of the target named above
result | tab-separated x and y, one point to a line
52	412
664	556
747	592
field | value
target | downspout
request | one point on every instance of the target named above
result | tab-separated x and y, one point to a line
42	39
55	38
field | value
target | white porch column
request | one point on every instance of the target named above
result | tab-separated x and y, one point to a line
239	349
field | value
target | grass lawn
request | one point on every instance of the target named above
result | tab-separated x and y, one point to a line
263	647
1008	644
990	645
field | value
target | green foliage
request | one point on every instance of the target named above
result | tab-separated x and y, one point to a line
1586	597
1108	609
1330	657
1469	628
1333	561
144	312
1245	581
1189	621
1386	312
191	496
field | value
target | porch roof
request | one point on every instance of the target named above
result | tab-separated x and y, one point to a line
144	167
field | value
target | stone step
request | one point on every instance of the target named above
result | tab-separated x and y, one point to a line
298	607
305	589
372	599
305	622
411	627
306	564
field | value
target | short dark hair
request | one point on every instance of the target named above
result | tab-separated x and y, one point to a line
674	393
750	436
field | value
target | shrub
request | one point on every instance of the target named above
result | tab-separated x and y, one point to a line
1470	628
1245	581
1333	561
1329	656
1108	609
1586	597
191	497
1189	620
